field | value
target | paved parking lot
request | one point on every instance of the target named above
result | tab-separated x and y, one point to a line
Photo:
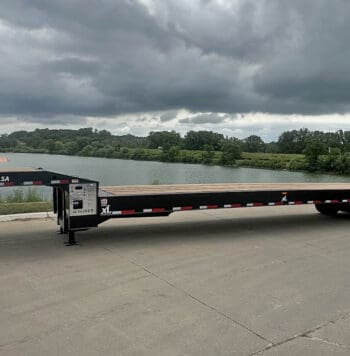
255	281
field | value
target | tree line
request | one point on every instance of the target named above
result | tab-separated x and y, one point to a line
327	151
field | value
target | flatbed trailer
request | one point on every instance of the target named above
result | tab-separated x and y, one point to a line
80	203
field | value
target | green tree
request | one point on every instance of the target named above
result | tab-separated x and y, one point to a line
139	153
196	140
164	139
87	151
208	154
230	153
253	143
171	154
293	141
271	147
312	151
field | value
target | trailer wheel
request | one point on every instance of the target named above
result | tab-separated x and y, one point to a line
345	208
327	209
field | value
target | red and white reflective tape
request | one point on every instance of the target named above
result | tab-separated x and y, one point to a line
33	182
182	208
60	181
209	207
154	210
7	184
158	210
124	212
233	205
331	201
313	202
257	204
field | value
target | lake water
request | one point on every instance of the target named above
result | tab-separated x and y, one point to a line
128	172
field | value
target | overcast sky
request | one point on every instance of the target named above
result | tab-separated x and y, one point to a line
239	67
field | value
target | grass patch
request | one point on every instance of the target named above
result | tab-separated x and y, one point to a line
19	195
21	201
27	207
293	162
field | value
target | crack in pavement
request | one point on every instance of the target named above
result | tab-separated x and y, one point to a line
315	338
208	306
306	334
271	344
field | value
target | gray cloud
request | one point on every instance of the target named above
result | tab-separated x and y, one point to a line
209	118
63	120
168	115
64	58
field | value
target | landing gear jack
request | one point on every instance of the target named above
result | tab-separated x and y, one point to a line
71	239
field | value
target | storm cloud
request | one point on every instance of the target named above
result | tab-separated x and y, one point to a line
208	118
106	58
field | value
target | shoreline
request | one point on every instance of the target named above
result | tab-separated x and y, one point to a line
262	160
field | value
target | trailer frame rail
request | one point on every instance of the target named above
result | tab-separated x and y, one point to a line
81	205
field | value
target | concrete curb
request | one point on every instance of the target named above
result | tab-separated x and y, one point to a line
27	216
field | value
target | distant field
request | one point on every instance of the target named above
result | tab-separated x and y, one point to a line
273	161
270	156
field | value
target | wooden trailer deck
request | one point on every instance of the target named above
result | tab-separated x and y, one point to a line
135	190
18	169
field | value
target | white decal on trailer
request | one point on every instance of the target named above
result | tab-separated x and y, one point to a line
106	211
83	199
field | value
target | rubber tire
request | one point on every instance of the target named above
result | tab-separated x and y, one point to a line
345	207
328	209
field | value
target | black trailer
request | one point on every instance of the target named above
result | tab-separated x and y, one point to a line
81	204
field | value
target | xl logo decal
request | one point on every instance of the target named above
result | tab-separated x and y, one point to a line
106	211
